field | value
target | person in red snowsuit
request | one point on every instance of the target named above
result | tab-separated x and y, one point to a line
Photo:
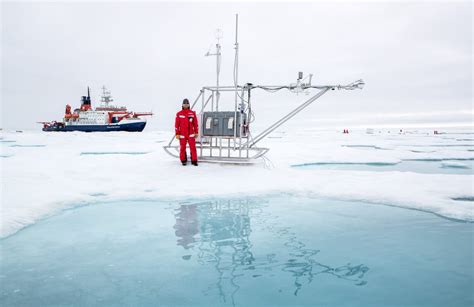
186	128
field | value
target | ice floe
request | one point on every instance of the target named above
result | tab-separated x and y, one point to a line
74	169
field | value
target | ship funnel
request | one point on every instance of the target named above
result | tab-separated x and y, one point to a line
86	100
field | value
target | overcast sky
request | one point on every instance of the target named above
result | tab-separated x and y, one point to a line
415	57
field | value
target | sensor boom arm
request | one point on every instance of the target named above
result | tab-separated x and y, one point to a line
359	84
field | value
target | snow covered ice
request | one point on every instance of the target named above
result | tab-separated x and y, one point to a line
44	173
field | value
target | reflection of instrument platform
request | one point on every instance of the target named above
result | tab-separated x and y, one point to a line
219	234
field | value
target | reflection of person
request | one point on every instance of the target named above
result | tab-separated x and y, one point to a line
187	225
186	127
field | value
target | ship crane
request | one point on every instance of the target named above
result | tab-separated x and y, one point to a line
225	136
137	114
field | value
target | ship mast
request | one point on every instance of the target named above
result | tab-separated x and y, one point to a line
106	96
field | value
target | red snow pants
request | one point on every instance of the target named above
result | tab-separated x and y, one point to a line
192	147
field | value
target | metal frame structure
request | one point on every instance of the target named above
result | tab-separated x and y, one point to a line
240	148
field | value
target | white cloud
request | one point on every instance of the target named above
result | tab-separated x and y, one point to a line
415	56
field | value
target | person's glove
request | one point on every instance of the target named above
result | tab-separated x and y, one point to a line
196	135
177	136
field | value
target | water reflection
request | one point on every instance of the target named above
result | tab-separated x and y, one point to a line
186	226
218	233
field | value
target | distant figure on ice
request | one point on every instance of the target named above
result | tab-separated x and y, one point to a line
186	127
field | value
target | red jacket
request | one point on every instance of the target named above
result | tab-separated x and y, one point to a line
186	123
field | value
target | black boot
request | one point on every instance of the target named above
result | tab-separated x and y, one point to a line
195	163
184	162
